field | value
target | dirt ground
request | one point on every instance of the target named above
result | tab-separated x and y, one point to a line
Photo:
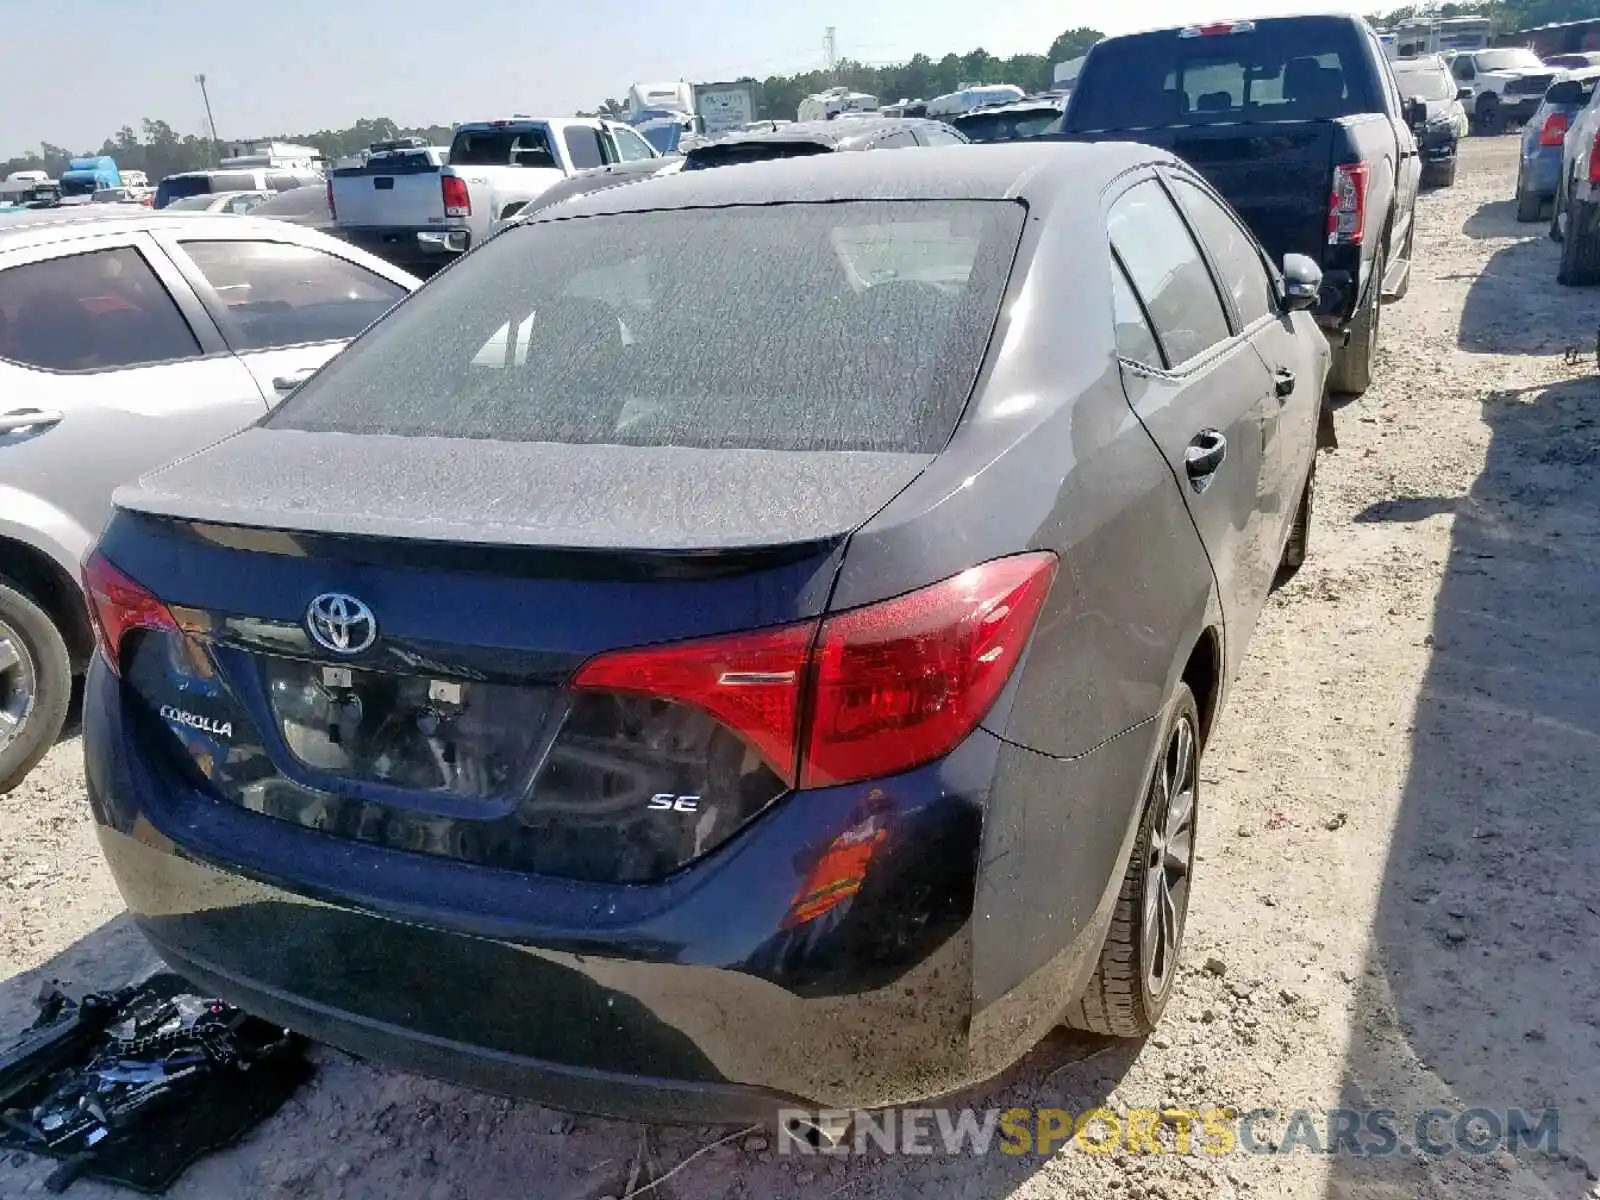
1400	885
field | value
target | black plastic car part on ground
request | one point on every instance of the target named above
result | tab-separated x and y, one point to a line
719	648
130	1087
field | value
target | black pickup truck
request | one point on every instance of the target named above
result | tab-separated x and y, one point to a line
1298	122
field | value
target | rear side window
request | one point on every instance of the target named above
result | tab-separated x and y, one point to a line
90	312
855	326
1135	341
1168	272
583	147
278	294
1244	274
1297	69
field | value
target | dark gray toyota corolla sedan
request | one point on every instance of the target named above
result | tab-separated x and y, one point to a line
739	641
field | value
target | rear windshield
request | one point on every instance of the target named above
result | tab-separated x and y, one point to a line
857	326
1300	69
177	188
1430	82
728	154
1518	59
524	146
1008	126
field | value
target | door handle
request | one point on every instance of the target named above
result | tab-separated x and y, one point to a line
1283	382
19	419
1203	457
288	383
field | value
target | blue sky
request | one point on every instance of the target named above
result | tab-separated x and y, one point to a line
300	65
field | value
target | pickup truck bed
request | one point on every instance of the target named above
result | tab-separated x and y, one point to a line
1279	115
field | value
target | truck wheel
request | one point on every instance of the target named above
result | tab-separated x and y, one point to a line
1139	962
1353	363
1580	248
35	685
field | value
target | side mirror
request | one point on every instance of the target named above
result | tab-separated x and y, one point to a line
1302	283
1416	112
1463	93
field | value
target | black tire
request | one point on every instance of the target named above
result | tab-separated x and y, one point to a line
1353	363
40	675
1580	249
1123	999
1530	205
1294	550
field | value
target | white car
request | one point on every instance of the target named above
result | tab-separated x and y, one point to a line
238	203
130	337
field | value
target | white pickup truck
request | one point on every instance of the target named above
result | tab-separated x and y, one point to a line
421	207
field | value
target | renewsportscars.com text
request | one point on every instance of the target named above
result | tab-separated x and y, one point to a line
1367	1133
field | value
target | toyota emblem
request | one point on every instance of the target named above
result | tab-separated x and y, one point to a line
341	623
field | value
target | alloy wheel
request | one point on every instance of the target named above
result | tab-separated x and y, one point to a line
1169	859
18	684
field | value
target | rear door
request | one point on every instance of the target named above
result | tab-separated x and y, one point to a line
1295	364
111	368
1206	401
283	306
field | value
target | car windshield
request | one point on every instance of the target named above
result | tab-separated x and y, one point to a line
1430	82
1509	60
663	137
296	202
849	326
1007	126
1294	69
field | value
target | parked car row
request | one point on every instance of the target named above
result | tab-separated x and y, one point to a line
782	589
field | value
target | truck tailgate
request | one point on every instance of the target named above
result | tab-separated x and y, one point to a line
398	197
1277	175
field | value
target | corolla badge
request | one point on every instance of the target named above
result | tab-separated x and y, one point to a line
341	623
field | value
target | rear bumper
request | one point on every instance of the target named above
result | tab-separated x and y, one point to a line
420	251
1519	108
701	999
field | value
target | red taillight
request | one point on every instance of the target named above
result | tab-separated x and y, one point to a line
457	200
1594	160
333	213
117	605
1554	131
1347	207
879	689
901	683
750	682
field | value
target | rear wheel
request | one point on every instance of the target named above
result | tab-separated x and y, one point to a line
35	685
1294	550
1353	363
1558	213
1139	962
1530	205
1580	246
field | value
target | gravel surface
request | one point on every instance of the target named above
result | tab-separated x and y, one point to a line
1399	900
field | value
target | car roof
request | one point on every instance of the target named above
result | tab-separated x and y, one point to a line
843	132
1026	104
40	226
1040	173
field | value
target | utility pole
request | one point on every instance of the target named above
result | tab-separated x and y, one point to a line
216	146
830	49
